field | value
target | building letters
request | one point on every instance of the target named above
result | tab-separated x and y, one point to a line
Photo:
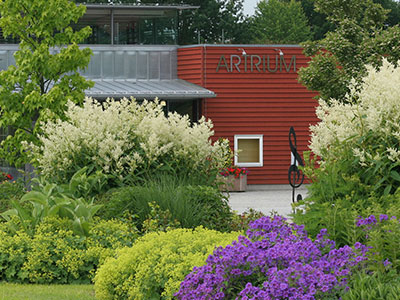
260	64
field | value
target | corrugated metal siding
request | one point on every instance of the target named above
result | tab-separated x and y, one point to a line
191	65
255	102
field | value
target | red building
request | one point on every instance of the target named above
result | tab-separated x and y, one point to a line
258	99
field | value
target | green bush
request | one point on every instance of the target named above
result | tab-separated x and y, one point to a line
9	191
54	254
14	249
159	220
191	206
157	263
217	213
339	216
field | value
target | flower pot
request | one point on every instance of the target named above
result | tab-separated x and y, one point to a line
233	184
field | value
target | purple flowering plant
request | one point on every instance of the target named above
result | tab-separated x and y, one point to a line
275	260
382	234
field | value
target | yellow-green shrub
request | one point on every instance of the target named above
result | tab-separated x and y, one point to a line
13	253
155	265
54	254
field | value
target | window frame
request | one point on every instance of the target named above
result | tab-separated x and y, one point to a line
260	137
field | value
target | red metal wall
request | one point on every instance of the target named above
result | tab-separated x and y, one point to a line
254	100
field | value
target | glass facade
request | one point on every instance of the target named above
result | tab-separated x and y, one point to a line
141	28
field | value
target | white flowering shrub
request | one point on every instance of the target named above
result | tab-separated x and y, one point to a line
126	139
364	135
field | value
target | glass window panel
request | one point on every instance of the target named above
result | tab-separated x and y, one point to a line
187	107
249	150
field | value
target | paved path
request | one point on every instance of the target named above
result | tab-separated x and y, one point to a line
265	198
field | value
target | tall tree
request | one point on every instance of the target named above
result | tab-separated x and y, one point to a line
317	21
278	21
393	17
320	25
360	38
212	22
45	75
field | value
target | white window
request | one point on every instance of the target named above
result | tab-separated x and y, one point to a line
249	149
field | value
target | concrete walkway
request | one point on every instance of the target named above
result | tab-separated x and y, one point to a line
265	198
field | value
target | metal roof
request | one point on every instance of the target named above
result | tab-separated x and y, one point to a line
147	89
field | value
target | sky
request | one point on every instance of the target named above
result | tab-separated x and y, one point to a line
249	6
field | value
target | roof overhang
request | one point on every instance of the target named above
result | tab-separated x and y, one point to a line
147	89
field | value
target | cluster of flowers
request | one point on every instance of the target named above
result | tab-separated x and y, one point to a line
234	171
5	177
275	261
123	137
371	220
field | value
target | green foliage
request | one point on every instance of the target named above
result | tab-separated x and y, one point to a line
54	254
190	205
337	216
374	286
214	204
336	197
10	191
394	11
384	238
157	263
359	38
159	220
279	22
14	251
43	78
66	201
83	185
316	20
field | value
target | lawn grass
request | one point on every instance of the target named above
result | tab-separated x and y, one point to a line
10	291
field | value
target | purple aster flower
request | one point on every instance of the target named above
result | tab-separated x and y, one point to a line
386	263
383	217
